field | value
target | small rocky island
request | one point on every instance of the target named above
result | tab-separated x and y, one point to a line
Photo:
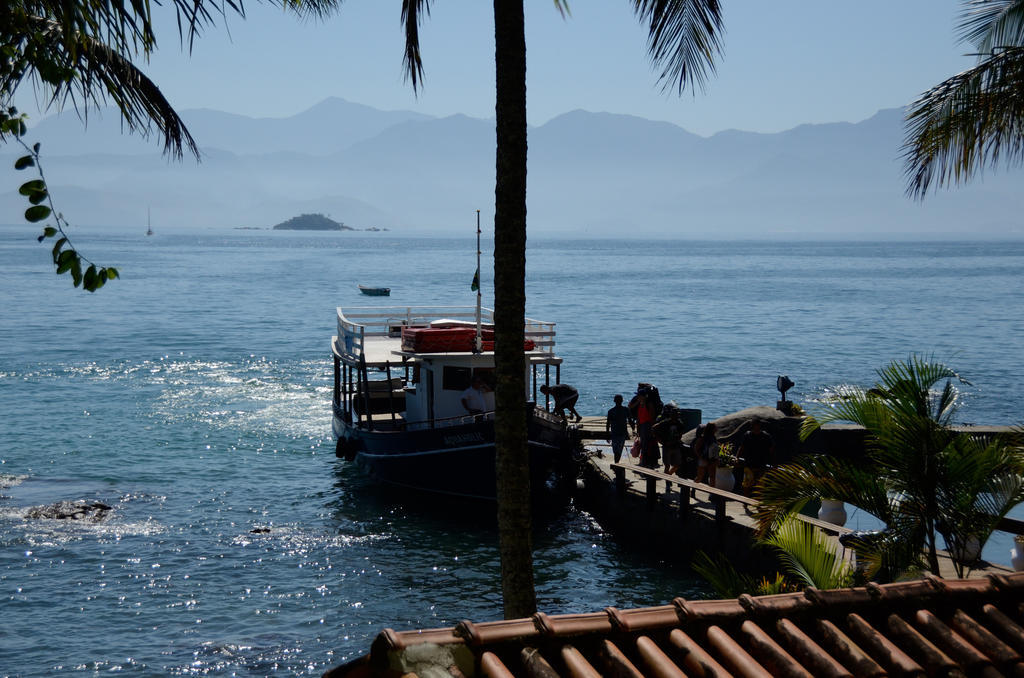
312	222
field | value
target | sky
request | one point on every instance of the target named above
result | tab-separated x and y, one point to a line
784	62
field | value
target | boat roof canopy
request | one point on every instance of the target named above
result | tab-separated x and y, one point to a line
374	334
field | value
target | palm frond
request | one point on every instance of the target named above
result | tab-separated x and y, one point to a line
809	556
91	72
683	39
990	25
413	12
789	487
721	574
970	121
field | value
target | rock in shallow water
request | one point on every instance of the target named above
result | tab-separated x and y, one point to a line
92	511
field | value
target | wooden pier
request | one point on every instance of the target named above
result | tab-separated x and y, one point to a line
675	517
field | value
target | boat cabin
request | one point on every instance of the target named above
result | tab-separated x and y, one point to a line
407	367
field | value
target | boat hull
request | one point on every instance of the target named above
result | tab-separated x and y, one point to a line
456	460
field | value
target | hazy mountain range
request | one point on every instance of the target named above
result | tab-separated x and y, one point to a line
591	174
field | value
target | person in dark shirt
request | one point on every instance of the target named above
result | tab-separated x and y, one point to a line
616	427
668	431
565	398
756	449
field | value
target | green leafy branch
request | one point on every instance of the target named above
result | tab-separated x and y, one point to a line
65	257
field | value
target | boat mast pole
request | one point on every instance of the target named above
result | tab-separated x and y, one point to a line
478	341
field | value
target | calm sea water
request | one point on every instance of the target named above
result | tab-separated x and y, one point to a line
193	396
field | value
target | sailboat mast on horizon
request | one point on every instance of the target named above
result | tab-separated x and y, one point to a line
149	225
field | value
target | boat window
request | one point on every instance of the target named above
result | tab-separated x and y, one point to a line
456	378
487	374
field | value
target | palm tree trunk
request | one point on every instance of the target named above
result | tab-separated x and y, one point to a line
513	473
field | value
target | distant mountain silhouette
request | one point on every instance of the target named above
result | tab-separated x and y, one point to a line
590	174
329	126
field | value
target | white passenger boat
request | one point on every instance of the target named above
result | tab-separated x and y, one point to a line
399	378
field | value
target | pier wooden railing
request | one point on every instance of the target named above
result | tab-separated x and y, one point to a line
721	497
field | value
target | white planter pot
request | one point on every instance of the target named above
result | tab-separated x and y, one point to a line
724	479
1017	557
832	511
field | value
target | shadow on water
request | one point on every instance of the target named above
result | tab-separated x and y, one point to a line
359	499
578	567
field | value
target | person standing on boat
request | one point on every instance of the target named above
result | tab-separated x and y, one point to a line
565	399
616	427
474	398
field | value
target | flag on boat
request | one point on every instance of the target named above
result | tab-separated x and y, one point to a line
476	280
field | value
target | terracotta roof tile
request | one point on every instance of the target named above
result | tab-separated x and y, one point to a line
492	667
934	660
695	659
1005	627
771	655
952	642
984	640
846	652
573	624
889	655
643	618
928	627
535	664
774	606
812	655
703	611
733	656
577	665
615	663
656	660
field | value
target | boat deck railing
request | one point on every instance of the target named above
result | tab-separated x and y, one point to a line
384	420
357	326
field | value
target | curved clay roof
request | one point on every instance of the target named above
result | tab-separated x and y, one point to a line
924	627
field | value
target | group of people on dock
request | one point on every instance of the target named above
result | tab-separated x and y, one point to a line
658	429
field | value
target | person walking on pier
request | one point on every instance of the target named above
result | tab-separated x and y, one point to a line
616	427
668	431
644	408
706	447
756	449
565	398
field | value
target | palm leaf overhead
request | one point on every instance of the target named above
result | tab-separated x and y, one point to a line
104	74
991	25
413	13
683	39
973	119
84	54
